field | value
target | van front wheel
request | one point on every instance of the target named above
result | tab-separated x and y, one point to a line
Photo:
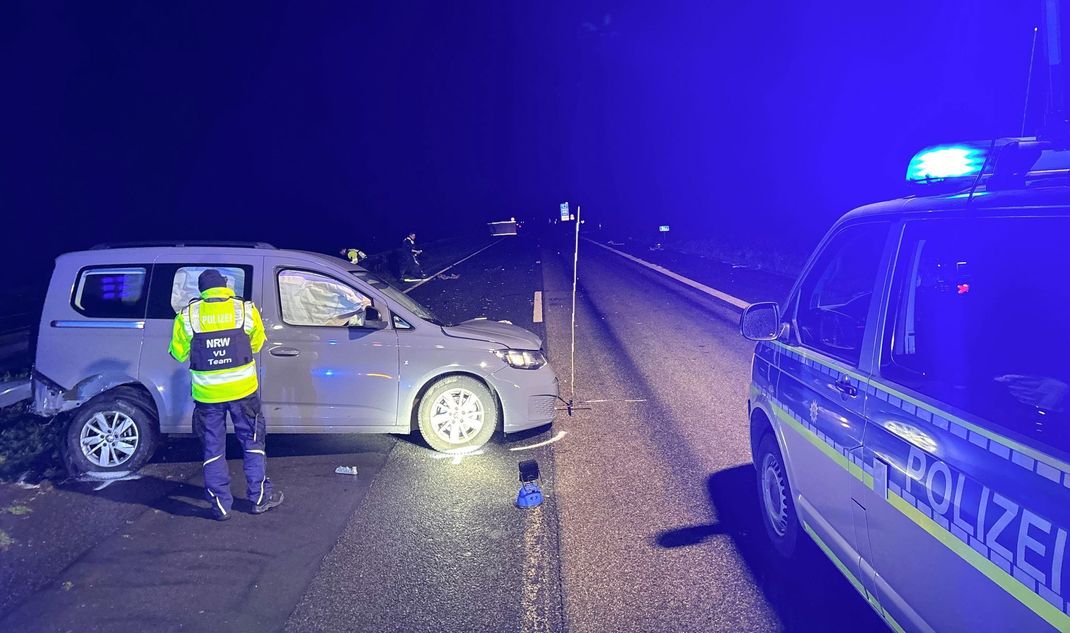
457	414
775	498
110	434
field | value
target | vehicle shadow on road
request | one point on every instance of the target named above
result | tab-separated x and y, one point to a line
807	592
187	449
147	491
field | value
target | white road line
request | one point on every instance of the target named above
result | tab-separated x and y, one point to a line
420	283
536	315
713	292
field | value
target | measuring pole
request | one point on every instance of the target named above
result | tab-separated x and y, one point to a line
575	276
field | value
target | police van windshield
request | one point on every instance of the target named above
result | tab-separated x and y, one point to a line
396	295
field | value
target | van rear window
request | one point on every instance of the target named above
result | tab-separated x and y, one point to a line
977	320
111	292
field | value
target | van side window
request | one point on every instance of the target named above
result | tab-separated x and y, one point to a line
834	297
311	299
111	292
174	285
976	320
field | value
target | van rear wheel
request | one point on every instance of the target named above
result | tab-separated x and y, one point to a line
111	433
457	414
775	498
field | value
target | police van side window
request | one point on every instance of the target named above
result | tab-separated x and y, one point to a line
835	296
978	320
174	285
311	299
111	292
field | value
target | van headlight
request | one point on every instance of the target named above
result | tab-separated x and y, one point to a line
521	358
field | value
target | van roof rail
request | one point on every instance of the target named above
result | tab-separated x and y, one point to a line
182	243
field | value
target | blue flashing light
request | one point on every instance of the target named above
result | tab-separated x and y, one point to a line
934	164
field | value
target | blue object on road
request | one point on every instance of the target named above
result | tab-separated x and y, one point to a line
530	495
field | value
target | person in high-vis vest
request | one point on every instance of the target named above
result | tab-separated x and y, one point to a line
218	334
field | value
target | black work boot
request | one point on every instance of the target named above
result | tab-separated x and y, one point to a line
272	501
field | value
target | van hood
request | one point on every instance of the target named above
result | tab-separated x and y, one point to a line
505	334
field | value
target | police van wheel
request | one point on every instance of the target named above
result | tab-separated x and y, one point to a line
111	433
457	414
775	498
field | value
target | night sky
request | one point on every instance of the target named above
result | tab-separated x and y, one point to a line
319	125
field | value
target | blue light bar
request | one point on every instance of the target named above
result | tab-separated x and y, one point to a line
944	162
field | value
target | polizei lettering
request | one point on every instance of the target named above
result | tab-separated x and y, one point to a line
1015	535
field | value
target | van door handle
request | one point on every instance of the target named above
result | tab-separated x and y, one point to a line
284	351
844	386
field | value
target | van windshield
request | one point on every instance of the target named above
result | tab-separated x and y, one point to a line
396	295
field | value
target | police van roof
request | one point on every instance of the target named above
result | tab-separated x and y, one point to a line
982	201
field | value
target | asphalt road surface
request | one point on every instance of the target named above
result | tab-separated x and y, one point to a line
650	521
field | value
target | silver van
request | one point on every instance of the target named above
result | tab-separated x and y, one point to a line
346	353
910	401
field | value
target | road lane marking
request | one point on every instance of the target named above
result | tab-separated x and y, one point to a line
534	608
536	316
713	292
435	276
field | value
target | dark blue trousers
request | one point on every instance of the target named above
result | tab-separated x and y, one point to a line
210	425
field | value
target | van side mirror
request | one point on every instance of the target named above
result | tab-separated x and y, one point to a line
760	321
373	319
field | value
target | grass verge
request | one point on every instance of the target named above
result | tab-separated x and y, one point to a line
28	443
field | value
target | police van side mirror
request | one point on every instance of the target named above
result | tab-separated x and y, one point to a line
373	319
760	321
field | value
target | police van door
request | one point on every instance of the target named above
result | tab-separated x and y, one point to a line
968	428
322	369
820	393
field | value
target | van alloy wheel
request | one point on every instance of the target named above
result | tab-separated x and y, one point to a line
109	439
774	494
457	416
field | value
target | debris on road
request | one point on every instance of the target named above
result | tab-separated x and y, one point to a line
346	470
449	277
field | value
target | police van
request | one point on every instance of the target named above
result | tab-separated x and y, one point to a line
909	402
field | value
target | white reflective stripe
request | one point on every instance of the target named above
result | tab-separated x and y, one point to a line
260	499
216	499
194	315
248	324
239	313
211	460
223	376
257	451
187	327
